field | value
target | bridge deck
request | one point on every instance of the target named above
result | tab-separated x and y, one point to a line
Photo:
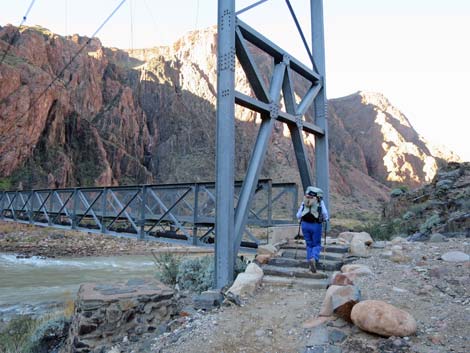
169	212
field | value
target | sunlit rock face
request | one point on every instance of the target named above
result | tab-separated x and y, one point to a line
148	115
67	123
383	142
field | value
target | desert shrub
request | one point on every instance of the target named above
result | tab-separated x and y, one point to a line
396	192
49	336
419	208
240	265
444	184
429	223
196	274
378	230
408	215
167	266
5	184
15	336
69	308
386	230
464	203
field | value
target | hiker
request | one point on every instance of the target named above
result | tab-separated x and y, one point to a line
312	212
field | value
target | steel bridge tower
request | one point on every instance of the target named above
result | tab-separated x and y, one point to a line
233	39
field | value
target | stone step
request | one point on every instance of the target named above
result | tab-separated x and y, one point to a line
297	272
325	265
340	249
302	254
293	281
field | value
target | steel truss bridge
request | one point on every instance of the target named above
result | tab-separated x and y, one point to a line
275	101
183	213
226	207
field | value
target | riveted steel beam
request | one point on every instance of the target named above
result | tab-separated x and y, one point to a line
249	67
259	153
265	110
276	52
320	102
225	144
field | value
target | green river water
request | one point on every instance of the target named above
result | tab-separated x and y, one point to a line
29	286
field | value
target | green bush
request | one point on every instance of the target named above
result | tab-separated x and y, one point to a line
167	265
49	336
430	222
417	209
240	265
386	230
15	336
408	215
397	192
379	230
444	185
5	184
196	274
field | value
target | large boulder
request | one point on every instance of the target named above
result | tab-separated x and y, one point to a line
383	319
267	249
352	271
339	300
437	238
398	255
263	259
358	248
455	256
346	237
248	281
364	237
340	279
397	240
357	268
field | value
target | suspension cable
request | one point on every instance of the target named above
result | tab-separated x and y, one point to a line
66	10
132	24
299	28
197	15
250	7
23	20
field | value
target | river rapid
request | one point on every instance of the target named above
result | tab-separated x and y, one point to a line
35	285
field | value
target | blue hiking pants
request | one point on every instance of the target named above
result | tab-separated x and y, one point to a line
312	236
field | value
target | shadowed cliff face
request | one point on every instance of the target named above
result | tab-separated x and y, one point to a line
149	116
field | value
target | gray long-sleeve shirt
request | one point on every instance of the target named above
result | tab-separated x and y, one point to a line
324	211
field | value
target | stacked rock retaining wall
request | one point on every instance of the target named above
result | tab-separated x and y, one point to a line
107	313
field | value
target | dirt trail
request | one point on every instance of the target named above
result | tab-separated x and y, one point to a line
435	292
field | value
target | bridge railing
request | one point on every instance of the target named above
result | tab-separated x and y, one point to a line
169	212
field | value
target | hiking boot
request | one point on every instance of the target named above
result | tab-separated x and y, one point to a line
312	265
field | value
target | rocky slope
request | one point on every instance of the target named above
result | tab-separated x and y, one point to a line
113	117
442	206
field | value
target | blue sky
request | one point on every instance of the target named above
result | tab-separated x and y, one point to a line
415	52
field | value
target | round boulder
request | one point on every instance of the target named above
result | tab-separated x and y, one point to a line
358	269
383	319
364	237
358	248
455	256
